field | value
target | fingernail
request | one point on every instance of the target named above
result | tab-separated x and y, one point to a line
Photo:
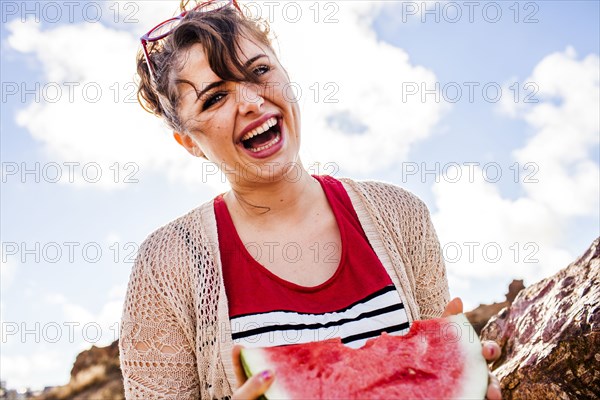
491	349
266	375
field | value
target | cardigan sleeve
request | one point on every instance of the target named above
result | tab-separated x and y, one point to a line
156	356
431	281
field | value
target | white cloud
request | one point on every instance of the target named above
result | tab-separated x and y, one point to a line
41	352
564	114
138	16
92	115
364	76
523	230
8	270
36	370
2	326
530	230
118	292
566	134
102	324
113	237
55	298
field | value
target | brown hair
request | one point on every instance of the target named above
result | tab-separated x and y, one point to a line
219	32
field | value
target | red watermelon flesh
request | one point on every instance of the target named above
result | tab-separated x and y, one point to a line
437	359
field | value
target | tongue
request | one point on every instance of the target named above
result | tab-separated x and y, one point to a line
259	140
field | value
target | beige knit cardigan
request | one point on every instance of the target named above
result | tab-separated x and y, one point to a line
175	337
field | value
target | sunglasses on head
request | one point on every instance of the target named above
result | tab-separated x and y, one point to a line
167	27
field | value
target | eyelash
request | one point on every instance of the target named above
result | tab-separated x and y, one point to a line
215	98
212	99
268	68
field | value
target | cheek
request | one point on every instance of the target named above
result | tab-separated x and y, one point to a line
288	92
216	134
207	125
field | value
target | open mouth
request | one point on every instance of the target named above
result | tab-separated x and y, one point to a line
263	137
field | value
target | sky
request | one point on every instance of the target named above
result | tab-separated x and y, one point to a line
488	111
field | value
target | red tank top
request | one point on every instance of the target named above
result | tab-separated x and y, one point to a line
358	302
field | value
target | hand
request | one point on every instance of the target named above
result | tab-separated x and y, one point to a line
251	388
490	351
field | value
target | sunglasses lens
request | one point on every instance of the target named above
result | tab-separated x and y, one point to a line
163	29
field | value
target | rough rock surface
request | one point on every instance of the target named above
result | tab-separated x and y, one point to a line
550	335
96	374
480	316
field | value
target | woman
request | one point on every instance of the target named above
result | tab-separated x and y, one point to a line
211	276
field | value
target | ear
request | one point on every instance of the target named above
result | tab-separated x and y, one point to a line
189	144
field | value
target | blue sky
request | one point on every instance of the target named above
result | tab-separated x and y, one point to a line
369	53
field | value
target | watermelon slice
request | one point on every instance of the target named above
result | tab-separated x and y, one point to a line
437	359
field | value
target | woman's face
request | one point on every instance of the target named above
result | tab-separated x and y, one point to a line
251	131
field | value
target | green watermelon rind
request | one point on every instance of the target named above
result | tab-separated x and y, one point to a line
254	357
474	386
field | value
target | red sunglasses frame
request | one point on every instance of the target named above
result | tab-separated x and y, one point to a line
145	39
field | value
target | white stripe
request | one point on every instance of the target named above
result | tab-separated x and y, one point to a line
294	336
276	338
360	343
281	317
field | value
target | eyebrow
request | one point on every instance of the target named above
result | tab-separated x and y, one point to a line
218	83
251	60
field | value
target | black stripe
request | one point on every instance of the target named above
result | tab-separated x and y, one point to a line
380	292
287	327
376	332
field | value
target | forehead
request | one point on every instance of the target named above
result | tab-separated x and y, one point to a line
196	66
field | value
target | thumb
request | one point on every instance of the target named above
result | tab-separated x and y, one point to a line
254	387
455	306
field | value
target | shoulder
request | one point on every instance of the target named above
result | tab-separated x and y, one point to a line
386	195
171	233
172	245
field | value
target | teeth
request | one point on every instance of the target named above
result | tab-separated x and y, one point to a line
261	129
266	146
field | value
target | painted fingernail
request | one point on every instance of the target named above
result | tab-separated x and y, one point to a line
266	375
491	348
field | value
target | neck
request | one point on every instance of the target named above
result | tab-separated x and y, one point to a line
283	198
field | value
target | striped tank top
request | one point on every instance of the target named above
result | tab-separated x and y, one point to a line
357	303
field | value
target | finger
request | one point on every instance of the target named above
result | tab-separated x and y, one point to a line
455	306
490	350
237	365
254	387
493	392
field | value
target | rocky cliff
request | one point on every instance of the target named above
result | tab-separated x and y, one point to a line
550	335
96	374
480	316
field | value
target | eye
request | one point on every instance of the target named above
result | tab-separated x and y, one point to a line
261	70
213	99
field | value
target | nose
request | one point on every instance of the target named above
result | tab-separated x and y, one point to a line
251	99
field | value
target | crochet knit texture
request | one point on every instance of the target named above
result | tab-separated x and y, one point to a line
175	334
